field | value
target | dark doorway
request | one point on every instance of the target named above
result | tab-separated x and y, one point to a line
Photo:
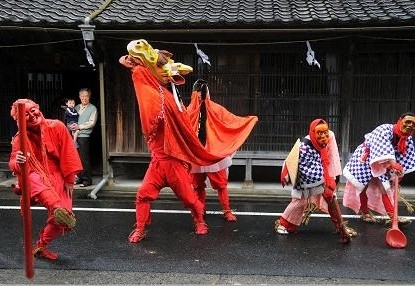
73	81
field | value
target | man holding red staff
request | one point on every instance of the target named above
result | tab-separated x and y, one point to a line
53	163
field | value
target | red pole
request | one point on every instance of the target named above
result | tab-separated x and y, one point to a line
25	204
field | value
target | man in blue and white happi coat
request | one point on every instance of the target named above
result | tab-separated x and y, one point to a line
388	149
318	167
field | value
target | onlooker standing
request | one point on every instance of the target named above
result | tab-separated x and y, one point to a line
87	118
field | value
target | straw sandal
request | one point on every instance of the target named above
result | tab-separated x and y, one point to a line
280	229
369	218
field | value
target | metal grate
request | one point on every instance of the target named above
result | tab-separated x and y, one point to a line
383	87
46	90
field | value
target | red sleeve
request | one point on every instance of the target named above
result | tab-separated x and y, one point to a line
14	167
70	179
70	162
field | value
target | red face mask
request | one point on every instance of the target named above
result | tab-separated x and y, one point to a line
33	115
408	125
321	133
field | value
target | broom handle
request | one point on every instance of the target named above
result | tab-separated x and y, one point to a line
396	202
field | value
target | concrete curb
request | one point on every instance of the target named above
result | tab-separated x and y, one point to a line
126	189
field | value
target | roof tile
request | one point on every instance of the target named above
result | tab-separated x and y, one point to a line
208	12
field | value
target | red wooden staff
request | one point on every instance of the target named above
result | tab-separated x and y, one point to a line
25	204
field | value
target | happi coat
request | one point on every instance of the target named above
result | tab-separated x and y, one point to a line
367	162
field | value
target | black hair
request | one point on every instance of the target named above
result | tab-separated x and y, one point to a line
407	114
66	99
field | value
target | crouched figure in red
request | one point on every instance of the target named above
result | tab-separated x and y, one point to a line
53	164
316	165
172	142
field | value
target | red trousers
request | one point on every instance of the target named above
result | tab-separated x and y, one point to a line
166	172
218	181
50	199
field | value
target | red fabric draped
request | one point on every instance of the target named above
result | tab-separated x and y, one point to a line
180	139
54	152
322	150
224	130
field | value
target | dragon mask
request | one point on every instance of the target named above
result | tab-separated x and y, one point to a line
159	62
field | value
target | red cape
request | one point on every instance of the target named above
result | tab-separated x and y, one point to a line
180	139
224	130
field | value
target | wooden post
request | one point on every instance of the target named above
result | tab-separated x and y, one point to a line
346	103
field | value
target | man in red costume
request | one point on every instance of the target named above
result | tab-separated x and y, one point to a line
171	140
212	122
53	164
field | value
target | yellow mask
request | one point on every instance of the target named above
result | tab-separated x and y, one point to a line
151	58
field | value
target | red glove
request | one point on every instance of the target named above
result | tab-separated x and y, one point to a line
329	188
396	166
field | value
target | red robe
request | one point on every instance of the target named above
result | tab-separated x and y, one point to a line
52	155
53	161
181	142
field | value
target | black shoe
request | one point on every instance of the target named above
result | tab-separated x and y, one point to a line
79	181
85	184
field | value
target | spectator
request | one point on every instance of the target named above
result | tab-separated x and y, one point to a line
71	117
87	119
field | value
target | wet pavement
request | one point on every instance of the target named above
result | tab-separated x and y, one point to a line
246	252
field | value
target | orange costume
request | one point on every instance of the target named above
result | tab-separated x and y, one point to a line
166	125
156	105
53	163
221	128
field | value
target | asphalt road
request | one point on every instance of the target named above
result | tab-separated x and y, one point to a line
246	252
